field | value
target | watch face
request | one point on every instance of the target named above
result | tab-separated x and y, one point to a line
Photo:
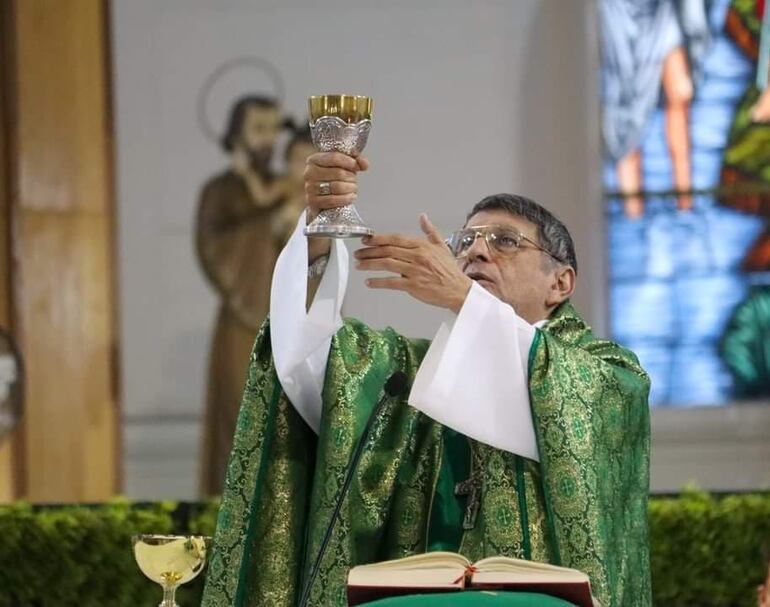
317	267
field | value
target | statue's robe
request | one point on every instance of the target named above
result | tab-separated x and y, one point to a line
237	244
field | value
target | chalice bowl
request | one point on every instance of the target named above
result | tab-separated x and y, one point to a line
339	123
170	560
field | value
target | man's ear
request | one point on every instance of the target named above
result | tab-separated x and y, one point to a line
562	287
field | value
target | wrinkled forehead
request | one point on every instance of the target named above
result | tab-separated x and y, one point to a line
503	218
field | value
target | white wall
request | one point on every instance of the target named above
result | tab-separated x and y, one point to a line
471	97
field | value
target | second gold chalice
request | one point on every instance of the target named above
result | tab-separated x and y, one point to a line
170	560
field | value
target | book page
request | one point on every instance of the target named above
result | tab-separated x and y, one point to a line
432	569
501	569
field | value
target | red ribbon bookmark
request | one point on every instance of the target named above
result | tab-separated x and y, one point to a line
469	571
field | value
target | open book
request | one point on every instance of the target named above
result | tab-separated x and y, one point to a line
446	571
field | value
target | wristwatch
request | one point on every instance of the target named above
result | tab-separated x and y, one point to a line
317	268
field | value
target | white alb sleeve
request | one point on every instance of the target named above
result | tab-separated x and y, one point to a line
475	376
301	340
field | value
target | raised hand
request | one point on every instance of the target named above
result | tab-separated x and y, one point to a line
335	173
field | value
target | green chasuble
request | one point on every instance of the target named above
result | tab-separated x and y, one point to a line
584	505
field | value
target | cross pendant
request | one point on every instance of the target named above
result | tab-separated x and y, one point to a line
472	488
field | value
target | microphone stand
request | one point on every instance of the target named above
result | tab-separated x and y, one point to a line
394	386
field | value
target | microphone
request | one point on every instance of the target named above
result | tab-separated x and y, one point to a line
395	386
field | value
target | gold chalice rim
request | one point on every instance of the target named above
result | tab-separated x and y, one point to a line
167	537
349	107
338	96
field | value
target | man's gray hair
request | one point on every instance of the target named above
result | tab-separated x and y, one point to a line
552	233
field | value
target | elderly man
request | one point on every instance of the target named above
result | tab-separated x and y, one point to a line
522	434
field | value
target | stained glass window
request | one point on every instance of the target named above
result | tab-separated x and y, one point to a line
686	130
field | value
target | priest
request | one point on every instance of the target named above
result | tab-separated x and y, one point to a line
518	432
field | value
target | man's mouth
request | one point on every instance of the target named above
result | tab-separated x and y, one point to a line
479	276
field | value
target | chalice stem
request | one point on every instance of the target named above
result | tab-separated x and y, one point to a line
169	597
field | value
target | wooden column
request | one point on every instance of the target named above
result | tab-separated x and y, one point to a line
62	238
10	454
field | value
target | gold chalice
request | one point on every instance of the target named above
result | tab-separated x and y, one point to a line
340	123
170	560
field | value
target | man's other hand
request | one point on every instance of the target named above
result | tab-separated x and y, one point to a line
424	267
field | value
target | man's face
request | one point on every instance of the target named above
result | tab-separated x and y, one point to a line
524	280
261	127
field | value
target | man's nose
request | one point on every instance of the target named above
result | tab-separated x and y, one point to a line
479	249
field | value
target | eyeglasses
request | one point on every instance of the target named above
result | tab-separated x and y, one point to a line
501	240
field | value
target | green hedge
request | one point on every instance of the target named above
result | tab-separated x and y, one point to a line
705	551
81	555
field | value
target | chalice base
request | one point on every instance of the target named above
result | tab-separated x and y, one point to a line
342	222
